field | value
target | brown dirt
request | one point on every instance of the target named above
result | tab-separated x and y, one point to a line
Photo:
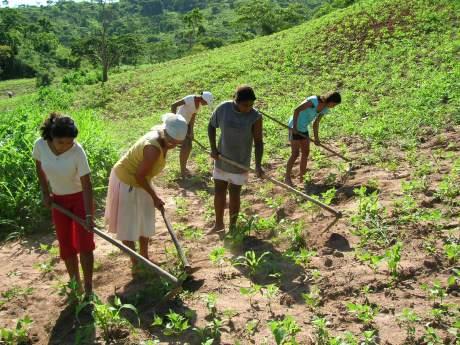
342	275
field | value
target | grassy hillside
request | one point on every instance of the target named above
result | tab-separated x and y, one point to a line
291	273
393	61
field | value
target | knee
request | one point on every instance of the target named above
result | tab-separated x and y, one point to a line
295	154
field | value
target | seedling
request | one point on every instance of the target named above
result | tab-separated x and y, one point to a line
435	291
175	325
431	337
408	319
393	257
364	312
251	261
321	331
181	206
452	252
370	259
107	317
18	335
253	290
313	298
217	257
270	292
251	326
285	330
454	278
211	301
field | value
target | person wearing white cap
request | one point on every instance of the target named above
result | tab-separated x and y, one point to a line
188	107
131	197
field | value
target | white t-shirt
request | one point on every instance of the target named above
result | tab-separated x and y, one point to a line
63	171
188	109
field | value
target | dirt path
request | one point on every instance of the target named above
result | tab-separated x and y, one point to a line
341	276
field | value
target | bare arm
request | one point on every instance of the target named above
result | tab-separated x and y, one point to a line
43	184
87	187
304	106
257	132
316	128
176	104
151	155
212	141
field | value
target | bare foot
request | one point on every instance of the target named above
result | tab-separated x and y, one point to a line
216	229
288	181
186	173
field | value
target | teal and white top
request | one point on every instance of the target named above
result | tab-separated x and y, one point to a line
308	115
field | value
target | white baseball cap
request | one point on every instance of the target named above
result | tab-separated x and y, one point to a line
208	97
175	126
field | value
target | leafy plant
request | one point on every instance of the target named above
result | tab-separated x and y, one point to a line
251	261
18	335
217	257
175	323
393	257
452	252
369	258
408	319
364	312
313	298
285	330
321	331
251	291
431	337
435	291
270	292
108	317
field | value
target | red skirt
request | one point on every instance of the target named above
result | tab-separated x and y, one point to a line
72	237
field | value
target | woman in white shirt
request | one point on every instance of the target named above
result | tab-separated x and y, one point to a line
64	176
188	107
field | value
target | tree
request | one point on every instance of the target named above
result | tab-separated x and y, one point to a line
194	22
260	16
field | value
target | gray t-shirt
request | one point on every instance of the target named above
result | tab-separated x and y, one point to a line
236	136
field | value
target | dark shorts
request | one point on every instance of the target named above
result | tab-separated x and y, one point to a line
293	136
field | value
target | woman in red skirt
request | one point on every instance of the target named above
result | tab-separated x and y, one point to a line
64	176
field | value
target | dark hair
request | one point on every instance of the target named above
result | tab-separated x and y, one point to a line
244	93
58	126
331	97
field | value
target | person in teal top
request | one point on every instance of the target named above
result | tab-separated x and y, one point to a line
311	110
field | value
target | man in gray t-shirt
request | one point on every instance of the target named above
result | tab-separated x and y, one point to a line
240	125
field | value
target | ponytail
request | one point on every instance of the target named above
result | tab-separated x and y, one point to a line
58	126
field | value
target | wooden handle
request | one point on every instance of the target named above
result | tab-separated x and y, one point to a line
306	137
182	256
279	183
120	245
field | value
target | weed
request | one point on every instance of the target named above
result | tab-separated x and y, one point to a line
181	206
251	326
369	258
294	232
454	278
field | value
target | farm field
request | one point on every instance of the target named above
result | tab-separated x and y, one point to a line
386	272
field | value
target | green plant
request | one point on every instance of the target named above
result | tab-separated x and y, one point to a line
321	331
313	298
285	330
435	291
211	301
251	326
270	292
217	257
369	258
294	232
251	291
408	319
181	206
251	261
454	278
175	323
18	335
431	337
329	196
108	317
452	252
364	312
393	257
